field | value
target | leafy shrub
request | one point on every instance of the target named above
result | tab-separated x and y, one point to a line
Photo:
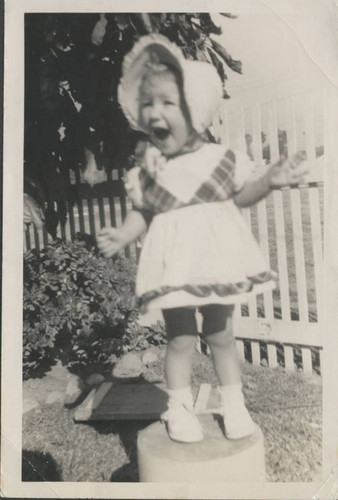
79	307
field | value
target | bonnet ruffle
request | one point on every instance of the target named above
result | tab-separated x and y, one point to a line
202	87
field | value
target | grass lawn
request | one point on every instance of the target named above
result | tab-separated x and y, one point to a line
286	406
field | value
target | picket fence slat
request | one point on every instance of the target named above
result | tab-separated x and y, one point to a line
123	206
44	237
291	127
66	232
112	211
272	355
283	275
298	241
252	303
28	237
273	131
261	206
101	212
289	358
106	211
71	219
36	239
91	216
256	354
256	134
316	233
63	231
297	231
240	349
279	218
81	217
79	190
264	244
237	309
306	360
281	255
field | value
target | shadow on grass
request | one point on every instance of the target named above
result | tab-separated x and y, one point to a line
129	406
128	433
39	466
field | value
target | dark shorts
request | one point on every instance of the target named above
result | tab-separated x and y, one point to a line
182	320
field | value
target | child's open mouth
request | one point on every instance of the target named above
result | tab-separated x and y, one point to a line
160	133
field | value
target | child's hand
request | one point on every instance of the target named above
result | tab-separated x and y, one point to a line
288	171
109	241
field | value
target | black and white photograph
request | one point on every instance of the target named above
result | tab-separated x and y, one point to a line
170	331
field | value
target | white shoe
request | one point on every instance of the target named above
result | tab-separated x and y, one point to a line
237	420
183	425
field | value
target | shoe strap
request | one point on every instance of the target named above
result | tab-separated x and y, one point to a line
166	415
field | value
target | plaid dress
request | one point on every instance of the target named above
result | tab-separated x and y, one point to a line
198	249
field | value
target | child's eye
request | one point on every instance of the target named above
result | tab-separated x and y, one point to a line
169	103
145	104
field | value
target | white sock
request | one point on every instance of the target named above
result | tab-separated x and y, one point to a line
237	420
231	392
182	424
180	397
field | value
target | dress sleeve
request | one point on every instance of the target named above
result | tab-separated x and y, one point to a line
132	184
243	170
146	214
133	188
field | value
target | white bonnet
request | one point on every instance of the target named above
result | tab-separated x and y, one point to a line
202	87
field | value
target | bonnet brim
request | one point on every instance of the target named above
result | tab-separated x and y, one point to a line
202	87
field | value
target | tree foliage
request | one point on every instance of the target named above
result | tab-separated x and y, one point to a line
72	117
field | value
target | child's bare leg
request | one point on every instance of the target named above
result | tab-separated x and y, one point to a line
217	331
181	332
178	361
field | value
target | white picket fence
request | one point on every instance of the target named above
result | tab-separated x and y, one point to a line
283	327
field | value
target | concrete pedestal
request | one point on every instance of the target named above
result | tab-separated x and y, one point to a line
215	459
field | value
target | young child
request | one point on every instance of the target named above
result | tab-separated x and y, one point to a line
198	251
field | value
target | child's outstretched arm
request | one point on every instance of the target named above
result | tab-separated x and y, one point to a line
282	173
111	240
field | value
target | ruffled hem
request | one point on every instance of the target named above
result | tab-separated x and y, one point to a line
204	291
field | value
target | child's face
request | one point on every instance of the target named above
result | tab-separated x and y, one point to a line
161	113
